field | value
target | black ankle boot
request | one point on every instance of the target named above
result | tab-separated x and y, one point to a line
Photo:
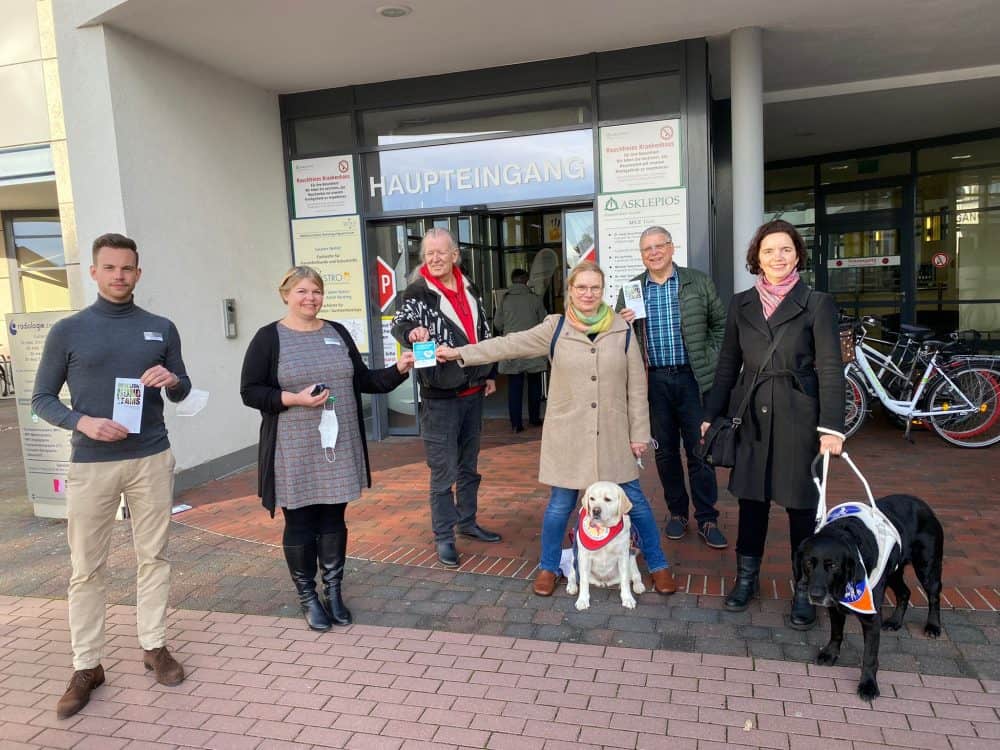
302	566
747	583
803	616
332	555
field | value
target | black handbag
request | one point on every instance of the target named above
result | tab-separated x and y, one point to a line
718	446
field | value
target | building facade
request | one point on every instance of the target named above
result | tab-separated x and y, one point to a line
232	139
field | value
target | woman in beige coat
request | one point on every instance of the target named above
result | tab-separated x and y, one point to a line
596	421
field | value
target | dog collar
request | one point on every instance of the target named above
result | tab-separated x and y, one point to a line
593	536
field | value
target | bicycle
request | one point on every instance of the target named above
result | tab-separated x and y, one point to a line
959	399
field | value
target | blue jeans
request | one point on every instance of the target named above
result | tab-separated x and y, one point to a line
563	501
675	413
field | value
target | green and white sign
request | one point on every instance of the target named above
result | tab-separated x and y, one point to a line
622	217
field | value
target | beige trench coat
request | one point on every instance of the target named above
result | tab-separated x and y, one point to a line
597	400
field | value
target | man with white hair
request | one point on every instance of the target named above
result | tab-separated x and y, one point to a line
443	306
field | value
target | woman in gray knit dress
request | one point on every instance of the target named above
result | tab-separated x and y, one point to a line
306	376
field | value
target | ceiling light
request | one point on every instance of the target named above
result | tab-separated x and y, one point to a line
839	167
394	11
962	156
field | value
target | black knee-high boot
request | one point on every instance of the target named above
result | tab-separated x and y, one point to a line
301	561
332	556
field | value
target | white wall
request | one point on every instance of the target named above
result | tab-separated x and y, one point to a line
188	162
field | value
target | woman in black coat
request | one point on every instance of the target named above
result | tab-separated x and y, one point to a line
306	376
795	411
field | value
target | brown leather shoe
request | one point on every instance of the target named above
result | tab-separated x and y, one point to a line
77	695
168	669
545	582
663	582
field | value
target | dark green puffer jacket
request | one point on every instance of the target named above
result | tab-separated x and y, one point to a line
703	322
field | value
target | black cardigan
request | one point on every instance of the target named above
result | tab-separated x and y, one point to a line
260	390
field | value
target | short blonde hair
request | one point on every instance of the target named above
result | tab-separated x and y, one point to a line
294	275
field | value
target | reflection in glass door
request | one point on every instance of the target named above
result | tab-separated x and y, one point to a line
867	251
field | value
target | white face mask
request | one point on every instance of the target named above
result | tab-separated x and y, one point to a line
328	430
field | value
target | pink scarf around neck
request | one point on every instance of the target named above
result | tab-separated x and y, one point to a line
772	294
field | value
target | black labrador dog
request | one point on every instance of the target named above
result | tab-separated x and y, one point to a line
827	563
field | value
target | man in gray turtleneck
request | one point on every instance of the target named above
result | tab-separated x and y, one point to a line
114	338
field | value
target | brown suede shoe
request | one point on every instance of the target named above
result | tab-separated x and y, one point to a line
168	669
77	695
663	582
545	582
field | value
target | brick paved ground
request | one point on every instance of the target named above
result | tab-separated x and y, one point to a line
696	675
268	682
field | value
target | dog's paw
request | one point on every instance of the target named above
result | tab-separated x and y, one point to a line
638	587
571	588
931	630
827	657
583	603
868	689
892	624
628	602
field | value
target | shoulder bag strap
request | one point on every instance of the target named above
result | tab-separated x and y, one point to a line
738	417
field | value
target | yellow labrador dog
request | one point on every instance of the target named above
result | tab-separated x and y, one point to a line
603	546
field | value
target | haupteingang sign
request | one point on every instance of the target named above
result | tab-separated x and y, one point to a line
533	167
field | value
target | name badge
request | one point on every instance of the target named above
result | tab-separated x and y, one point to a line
152	336
329	341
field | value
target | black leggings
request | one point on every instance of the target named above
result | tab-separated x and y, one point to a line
303	525
753	526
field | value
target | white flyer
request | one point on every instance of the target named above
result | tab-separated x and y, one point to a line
129	394
632	291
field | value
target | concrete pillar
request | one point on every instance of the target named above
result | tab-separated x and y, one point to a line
747	86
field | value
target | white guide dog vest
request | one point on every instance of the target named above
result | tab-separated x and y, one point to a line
858	593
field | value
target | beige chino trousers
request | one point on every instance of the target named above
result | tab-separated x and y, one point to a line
92	497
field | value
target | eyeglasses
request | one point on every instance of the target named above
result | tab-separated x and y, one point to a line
588	289
657	246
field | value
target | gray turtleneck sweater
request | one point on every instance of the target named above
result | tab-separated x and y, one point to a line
88	351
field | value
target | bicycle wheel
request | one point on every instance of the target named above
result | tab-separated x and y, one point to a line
976	429
855	404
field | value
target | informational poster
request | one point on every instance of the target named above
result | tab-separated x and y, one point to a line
552	224
622	217
641	156
390	347
324	186
333	247
44	447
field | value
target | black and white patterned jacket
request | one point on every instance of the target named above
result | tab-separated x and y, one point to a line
423	305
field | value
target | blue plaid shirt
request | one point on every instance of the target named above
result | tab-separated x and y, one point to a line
664	343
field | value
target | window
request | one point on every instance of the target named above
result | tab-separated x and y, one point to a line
319	135
37	250
851	170
959	155
537	110
635	98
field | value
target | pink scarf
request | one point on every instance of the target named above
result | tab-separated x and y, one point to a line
772	294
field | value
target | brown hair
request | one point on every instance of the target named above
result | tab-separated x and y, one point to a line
112	239
294	275
775	227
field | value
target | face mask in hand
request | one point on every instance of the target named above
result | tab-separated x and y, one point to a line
328	430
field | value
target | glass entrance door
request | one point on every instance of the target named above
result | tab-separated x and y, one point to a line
866	252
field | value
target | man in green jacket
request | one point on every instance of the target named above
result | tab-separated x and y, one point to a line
680	339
